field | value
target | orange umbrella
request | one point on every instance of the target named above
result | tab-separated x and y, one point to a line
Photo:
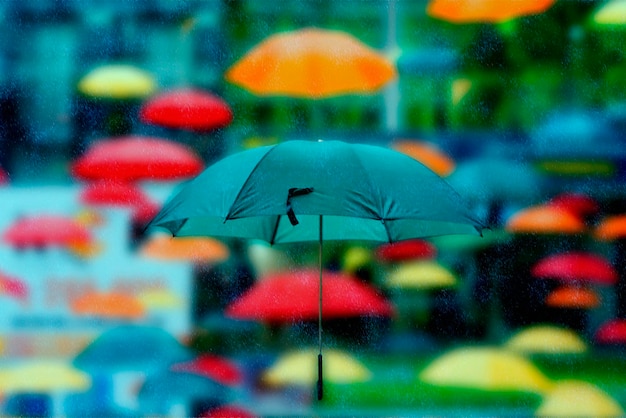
195	249
545	219
487	11
311	63
108	305
427	154
611	228
573	297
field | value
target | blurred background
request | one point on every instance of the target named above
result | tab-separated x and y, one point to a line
106	108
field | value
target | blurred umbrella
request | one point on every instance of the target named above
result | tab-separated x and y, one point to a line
486	11
546	339
162	390
106	193
108	305
544	219
36	376
307	191
575	142
267	259
132	348
188	109
13	287
355	258
311	63
220	369
193	249
300	368
132	158
610	13
611	228
405	250
117	82
469	243
228	411
612	332
573	297
159	299
286	297
576	266
574	398
42	231
4	177
489	180
485	368
428	154
421	274
579	204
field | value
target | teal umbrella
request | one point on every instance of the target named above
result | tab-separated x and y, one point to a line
314	190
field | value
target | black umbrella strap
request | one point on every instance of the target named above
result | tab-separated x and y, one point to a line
295	192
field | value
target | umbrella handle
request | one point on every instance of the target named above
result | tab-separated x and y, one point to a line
320	378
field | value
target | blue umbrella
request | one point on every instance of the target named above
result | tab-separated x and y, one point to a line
310	191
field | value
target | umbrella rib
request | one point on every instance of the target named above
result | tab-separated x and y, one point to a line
227	217
273	238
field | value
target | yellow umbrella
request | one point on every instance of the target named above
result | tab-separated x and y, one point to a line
117	82
311	63
421	274
574	398
546	339
611	13
300	368
486	368
43	376
159	299
355	258
193	249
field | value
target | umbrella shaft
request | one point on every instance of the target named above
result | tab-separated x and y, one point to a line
319	319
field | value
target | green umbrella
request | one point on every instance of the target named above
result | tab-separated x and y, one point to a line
315	190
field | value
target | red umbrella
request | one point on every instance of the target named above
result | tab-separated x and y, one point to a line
612	332
13	287
291	296
405	250
122	195
132	158
188	109
47	231
217	368
578	204
576	266
228	411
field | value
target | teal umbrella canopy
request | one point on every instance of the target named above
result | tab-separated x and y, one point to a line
308	191
132	348
278	193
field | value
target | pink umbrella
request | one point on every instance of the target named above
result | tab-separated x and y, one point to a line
612	332
13	287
